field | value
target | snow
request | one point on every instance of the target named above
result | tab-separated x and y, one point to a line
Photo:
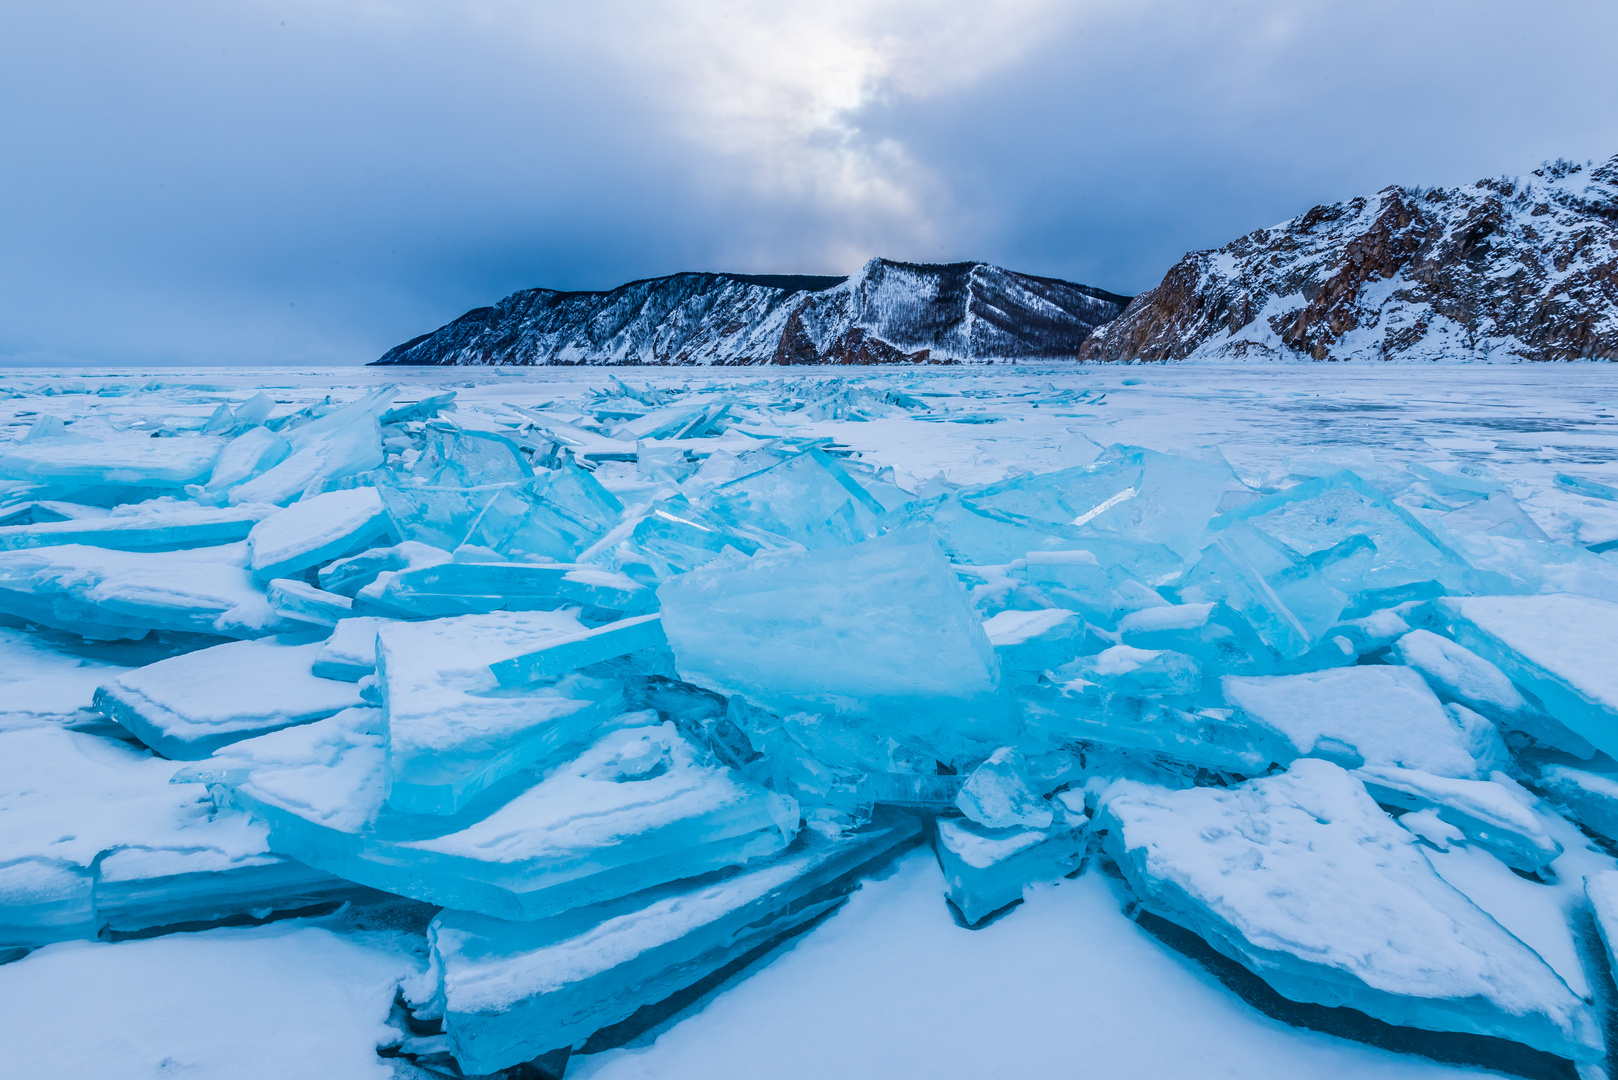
253	1004
1385	715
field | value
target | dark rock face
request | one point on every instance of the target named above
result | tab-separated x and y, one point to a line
887	313
1500	269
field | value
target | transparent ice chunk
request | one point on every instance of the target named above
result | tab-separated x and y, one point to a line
341	444
553	518
188	706
670	538
582	648
1284	598
881	627
1032	641
455	588
1410	562
1372	715
470	459
254	451
1129	493
348	576
810	499
997	795
1302	879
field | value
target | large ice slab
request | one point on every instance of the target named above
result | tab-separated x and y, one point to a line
1302	879
452	730
188	706
126	594
1559	646
116	458
882	625
1373	715
463	588
639	807
96	838
512	991
159	525
317	530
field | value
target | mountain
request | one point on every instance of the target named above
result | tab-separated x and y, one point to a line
889	312
1501	269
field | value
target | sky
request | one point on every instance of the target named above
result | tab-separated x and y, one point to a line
314	181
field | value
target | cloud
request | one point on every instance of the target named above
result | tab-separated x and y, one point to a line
315	180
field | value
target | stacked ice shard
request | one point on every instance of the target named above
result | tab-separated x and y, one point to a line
633	686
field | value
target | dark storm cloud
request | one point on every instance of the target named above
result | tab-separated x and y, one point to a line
314	182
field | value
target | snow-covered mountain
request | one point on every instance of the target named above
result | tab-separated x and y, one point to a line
888	312
1501	269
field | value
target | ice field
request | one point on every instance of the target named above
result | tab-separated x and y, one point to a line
953	722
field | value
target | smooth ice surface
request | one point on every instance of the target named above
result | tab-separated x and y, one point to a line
1380	714
108	595
1559	646
188	706
1304	880
882	623
317	530
451	730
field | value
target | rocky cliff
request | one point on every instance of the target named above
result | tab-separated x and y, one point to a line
1513	269
889	312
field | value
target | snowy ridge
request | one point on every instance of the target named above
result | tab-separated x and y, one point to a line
1506	269
888	312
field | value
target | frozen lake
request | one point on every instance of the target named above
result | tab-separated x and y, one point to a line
888	985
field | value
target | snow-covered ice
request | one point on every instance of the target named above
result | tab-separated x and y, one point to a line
616	686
